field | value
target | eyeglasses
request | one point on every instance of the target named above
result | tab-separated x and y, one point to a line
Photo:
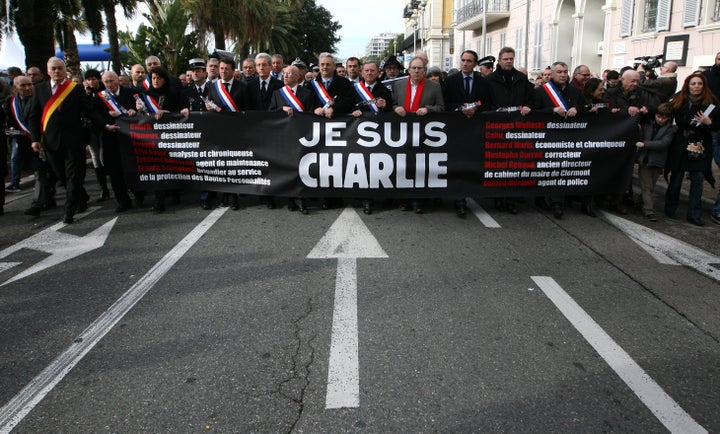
417	67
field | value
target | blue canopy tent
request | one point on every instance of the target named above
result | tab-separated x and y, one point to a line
92	53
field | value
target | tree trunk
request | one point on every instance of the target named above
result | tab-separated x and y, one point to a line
37	36
219	39
72	57
112	33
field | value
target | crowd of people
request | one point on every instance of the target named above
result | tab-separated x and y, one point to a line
49	122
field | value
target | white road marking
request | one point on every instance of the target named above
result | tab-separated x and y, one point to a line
21	404
650	393
482	215
666	249
61	247
347	239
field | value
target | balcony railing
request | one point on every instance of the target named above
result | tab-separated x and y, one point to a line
469	17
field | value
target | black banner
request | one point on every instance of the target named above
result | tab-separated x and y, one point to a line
380	155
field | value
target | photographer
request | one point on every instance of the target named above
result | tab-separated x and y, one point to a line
665	86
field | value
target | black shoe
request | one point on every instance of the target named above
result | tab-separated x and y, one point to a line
500	204
417	208
82	207
461	211
234	205
270	204
158	208
33	211
558	211
2	210
405	207
68	218
224	201
139	200
292	206
367	207
696	222
105	195
123	207
541	203
205	204
588	209
303	207
651	217
511	208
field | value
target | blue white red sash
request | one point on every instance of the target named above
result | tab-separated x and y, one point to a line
146	82
555	95
109	99
225	98
292	99
15	109
150	103
365	95
321	92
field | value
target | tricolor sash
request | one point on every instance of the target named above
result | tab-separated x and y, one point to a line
150	103
146	83
292	99
53	104
225	98
321	92
555	95
109	99
15	109
365	95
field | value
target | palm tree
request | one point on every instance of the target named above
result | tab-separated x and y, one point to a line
36	21
129	8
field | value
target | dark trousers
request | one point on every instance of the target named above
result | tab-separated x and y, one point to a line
68	162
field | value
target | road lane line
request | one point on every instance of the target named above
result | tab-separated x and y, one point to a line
650	393
343	388
482	215
12	413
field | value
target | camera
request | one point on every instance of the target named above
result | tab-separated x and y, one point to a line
648	62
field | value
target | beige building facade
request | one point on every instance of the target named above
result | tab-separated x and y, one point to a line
603	34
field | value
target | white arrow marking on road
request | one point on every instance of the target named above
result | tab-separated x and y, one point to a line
650	393
482	215
347	239
59	245
666	249
21	404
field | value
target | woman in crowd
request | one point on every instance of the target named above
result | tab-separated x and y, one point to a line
691	150
161	98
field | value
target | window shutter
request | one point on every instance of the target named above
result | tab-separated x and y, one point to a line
626	17
663	14
538	45
691	13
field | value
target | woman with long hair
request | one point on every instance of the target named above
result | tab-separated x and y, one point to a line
691	150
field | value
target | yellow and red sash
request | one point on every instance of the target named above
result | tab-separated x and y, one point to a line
52	105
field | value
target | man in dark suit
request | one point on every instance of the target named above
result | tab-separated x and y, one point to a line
199	90
293	97
329	85
565	102
228	95
468	87
369	88
113	102
56	127
262	86
279	100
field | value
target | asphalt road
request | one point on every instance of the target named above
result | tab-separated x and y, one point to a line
199	321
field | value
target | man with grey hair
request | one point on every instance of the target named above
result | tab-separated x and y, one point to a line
261	87
334	94
59	132
581	75
277	66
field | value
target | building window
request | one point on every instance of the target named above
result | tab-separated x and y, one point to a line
650	16
716	14
488	46
502	37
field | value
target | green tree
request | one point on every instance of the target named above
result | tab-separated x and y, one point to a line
129	8
36	22
166	36
317	29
